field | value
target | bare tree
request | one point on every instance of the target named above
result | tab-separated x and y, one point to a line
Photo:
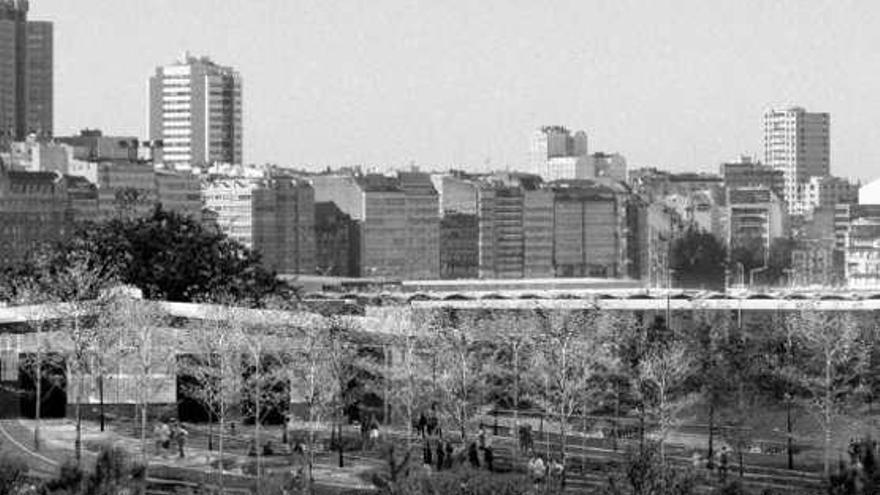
77	282
513	340
311	376
144	341
571	353
458	368
832	340
264	379
214	368
663	370
407	375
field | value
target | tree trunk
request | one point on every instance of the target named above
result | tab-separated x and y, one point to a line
77	443
339	443
144	430
788	431
563	429
711	428
515	390
101	396
257	424
39	400
827	417
220	442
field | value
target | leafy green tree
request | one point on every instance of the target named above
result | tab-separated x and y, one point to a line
697	259
166	255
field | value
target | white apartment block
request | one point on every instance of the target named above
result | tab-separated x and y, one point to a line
196	111
798	143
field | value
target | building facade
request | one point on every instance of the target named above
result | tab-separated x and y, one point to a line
459	246
826	192
196	112
274	216
398	220
755	216
749	173
33	209
283	222
180	192
551	143
26	75
337	241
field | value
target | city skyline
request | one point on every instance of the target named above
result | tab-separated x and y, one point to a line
347	83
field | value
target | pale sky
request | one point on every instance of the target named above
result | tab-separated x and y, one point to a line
677	84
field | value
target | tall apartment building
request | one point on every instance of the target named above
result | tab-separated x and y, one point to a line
274	216
798	143
26	75
196	112
398	219
33	209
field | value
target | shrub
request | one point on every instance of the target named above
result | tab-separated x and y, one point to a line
12	474
644	472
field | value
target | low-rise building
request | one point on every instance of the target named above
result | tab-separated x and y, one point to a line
398	219
820	192
862	254
337	241
749	173
274	216
180	192
755	216
283	222
588	240
459	246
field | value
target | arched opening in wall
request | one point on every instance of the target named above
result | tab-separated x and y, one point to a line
53	385
194	404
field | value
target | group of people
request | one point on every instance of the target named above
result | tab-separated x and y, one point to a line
168	436
427	426
541	472
720	461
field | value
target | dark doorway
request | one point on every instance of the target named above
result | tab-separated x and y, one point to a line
53	385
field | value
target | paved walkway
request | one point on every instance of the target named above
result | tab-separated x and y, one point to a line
57	444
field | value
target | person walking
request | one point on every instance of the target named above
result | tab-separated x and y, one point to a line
441	455
422	425
374	433
179	434
473	455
